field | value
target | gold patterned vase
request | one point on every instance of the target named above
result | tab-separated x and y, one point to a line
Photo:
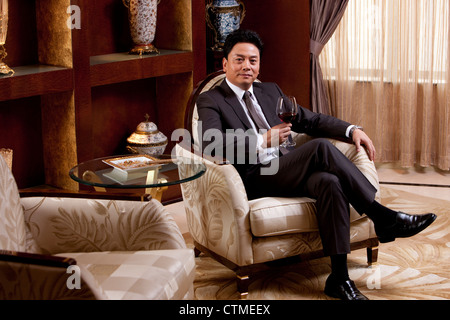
4	69
142	20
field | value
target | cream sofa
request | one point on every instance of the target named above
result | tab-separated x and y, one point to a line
68	248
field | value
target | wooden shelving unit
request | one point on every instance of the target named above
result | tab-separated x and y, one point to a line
109	68
77	94
35	80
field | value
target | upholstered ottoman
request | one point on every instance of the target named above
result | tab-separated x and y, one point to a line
140	275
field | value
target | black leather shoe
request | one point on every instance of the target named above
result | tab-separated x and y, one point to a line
406	225
344	291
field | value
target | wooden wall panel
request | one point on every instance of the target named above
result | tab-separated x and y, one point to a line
284	28
21	39
109	19
117	109
21	131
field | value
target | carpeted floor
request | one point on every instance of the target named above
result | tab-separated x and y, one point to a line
413	268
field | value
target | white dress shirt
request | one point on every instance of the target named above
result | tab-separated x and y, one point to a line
264	154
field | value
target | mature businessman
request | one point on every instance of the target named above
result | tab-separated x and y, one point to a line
316	169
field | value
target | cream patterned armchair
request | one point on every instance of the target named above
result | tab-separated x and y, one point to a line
68	248
247	235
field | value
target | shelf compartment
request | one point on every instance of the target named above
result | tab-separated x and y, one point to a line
35	80
122	67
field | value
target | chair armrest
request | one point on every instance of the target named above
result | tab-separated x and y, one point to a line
37	259
61	193
85	225
217	209
26	276
300	138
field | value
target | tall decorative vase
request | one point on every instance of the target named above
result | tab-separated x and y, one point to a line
224	17
4	69
142	18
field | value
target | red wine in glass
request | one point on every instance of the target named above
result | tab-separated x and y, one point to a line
286	116
287	110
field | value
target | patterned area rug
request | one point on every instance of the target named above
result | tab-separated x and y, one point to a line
413	268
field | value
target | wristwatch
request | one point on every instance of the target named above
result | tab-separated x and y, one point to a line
350	134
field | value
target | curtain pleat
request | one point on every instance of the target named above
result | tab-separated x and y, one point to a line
387	68
325	17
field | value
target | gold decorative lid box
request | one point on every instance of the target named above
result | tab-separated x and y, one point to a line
147	139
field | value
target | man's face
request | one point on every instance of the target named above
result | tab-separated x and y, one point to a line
242	65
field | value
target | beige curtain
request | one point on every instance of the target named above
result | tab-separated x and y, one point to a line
387	69
325	17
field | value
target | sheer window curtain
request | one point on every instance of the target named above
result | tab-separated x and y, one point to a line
387	68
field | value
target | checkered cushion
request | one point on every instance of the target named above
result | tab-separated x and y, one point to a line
279	216
142	275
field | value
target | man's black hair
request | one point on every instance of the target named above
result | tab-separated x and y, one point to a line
239	36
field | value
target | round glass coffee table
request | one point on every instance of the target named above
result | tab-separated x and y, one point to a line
127	172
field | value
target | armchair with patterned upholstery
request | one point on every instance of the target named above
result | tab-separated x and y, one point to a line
247	235
72	248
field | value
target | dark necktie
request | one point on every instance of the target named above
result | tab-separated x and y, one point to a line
256	117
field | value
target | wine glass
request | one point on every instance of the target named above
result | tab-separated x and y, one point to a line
287	110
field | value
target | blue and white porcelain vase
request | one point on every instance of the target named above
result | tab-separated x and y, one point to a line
224	17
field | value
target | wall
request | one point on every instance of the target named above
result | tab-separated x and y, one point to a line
284	28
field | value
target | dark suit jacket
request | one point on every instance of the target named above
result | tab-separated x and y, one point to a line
219	110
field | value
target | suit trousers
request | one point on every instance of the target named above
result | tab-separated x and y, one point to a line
320	171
